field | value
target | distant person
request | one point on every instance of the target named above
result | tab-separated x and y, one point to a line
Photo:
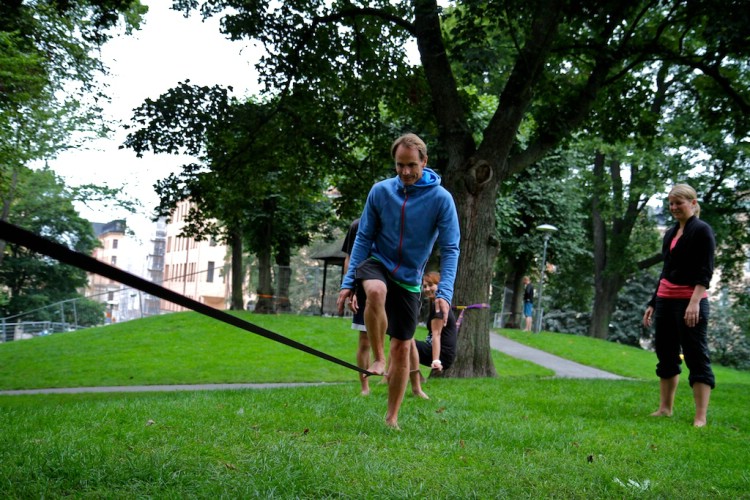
358	320
403	218
528	303
438	350
679	309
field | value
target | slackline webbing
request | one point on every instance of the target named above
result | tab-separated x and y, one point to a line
20	236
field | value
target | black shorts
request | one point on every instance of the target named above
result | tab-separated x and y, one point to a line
401	305
358	319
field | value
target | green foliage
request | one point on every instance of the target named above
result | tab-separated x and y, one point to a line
45	207
49	71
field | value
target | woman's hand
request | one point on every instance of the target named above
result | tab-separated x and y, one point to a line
647	316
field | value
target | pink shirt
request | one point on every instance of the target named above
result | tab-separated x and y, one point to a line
668	290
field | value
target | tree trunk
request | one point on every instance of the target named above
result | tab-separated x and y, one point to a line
479	249
237	302
283	279
605	300
265	304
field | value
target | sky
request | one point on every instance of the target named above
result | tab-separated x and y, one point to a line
167	50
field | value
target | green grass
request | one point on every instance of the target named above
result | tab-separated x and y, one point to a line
520	435
188	348
623	360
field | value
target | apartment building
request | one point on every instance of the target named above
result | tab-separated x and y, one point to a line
193	268
112	238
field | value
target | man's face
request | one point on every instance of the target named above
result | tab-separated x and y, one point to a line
408	164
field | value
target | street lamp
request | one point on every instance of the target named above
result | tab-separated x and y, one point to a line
547	229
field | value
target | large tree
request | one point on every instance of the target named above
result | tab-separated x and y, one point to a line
546	61
45	206
48	80
260	181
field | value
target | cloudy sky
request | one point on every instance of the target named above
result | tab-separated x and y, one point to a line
168	49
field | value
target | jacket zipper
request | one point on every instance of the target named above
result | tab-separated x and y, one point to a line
401	234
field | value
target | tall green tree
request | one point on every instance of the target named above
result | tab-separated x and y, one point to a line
549	66
45	207
545	193
48	89
261	181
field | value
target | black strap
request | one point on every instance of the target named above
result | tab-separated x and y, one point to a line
20	236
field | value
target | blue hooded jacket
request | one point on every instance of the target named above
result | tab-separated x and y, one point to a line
399	226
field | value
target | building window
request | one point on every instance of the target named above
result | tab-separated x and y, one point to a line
114	260
210	272
114	243
110	296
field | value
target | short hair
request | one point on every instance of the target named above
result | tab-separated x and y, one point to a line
686	192
410	141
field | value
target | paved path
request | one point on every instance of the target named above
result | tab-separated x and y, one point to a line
158	388
562	368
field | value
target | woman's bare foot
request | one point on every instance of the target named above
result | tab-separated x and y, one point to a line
699	423
365	392
661	413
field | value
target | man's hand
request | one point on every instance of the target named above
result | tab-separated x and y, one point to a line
344	295
442	309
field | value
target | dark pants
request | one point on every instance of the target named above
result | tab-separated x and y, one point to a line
672	334
401	305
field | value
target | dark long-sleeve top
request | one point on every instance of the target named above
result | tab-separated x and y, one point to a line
691	261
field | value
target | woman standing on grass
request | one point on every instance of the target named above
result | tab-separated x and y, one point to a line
679	308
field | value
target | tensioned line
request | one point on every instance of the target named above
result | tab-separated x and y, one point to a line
19	236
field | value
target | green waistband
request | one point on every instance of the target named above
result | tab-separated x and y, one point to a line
405	286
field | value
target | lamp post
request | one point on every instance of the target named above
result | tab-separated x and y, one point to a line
547	229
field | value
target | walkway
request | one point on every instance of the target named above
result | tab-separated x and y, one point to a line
562	368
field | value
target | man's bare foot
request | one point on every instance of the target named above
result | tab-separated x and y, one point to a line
699	423
661	413
365	391
420	394
393	424
377	368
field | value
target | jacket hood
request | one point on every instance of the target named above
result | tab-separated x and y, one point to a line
430	178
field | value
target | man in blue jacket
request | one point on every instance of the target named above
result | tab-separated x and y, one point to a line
403	218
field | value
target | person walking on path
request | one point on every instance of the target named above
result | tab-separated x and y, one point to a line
528	303
679	309
403	218
358	320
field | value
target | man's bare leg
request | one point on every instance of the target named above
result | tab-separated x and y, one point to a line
363	361
701	393
398	377
667	390
414	376
376	322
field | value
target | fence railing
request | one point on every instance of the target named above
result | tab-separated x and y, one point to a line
30	329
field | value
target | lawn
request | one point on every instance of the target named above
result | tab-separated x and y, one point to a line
519	435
